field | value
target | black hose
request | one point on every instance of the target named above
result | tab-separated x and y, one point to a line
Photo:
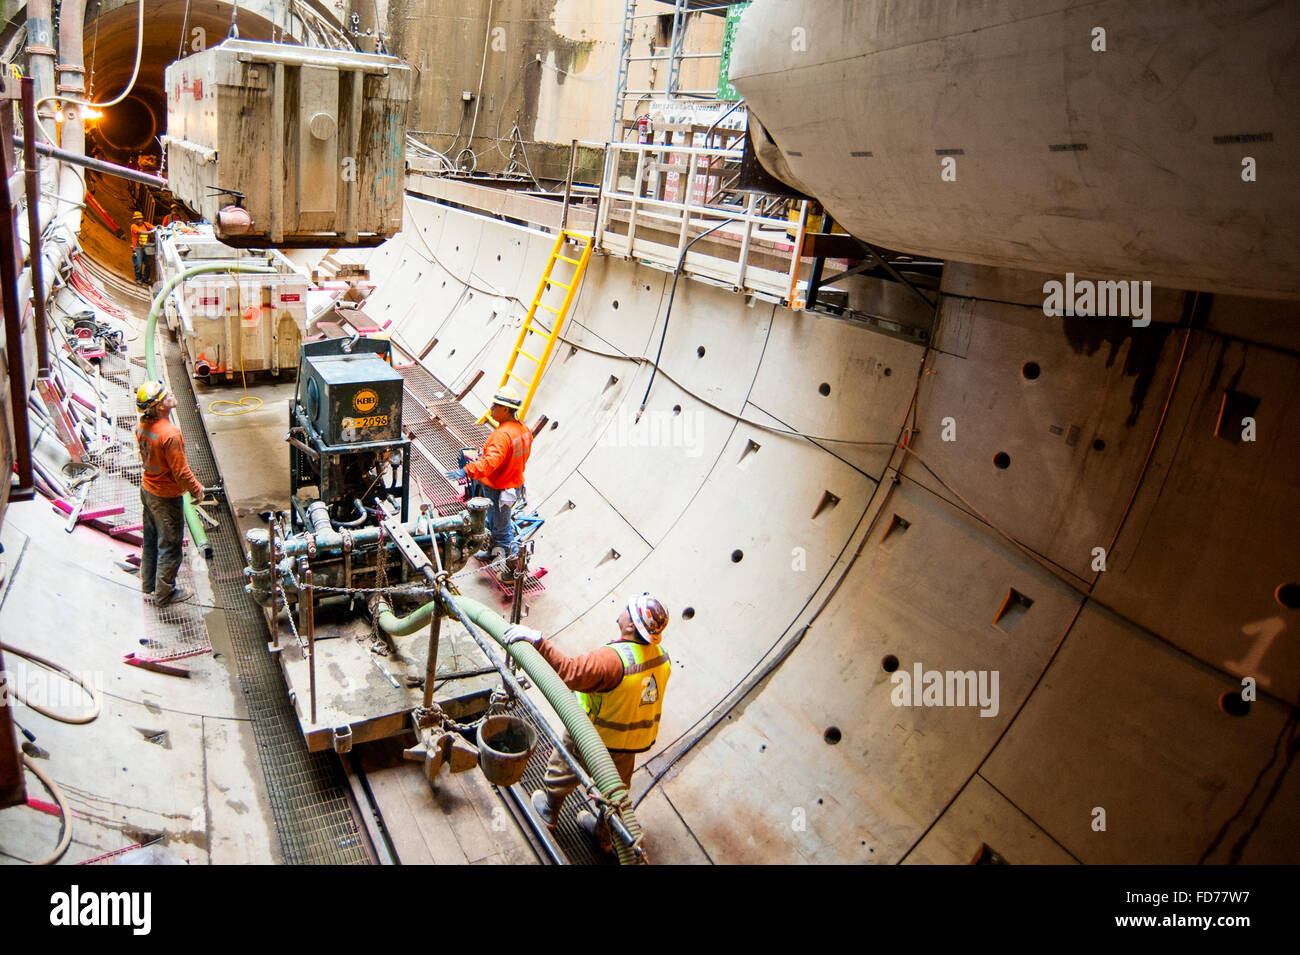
681	259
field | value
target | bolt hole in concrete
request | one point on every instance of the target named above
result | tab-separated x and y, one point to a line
1288	595
554	425
699	352
888	372
1030	370
1002	460
1099	445
824	389
889	663
737	556
688	613
498	258
1232	704
832	736
677	409
616	305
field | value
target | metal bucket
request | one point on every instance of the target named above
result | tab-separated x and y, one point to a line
504	745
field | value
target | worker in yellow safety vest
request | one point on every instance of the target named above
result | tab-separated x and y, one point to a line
621	686
141	248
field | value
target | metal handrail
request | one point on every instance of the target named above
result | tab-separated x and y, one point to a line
643	207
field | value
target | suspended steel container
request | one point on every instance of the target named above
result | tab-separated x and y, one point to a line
307	141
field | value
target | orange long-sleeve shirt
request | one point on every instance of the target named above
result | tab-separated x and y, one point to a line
599	671
141	234
162	450
504	455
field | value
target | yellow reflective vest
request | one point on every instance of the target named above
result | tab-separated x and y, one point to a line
627	717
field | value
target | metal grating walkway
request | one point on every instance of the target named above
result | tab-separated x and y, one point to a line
309	795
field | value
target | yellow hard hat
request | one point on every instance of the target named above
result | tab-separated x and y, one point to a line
149	395
508	398
137	215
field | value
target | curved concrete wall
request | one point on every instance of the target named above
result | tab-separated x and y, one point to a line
1106	701
1105	138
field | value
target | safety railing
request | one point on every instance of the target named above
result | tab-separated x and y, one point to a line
657	199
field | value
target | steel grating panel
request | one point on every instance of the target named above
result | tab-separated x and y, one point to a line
310	800
440	427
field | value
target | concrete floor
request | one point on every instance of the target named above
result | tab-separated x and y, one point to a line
198	785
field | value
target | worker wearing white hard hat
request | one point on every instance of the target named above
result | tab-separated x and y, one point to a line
499	471
621	687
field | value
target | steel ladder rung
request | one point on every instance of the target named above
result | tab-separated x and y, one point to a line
559	284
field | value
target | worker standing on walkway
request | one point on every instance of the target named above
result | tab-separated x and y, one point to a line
167	476
499	471
141	248
621	687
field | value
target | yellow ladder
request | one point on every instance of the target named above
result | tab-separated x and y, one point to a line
533	327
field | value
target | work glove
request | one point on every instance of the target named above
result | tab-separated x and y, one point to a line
456	475
519	632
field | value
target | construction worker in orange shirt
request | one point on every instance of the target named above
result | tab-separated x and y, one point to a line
621	686
141	248
499	471
167	476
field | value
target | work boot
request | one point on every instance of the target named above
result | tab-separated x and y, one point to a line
489	554
596	832
542	806
178	594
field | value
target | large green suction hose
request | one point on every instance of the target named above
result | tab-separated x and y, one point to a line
595	757
197	533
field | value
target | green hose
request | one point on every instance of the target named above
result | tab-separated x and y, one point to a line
591	749
413	622
197	533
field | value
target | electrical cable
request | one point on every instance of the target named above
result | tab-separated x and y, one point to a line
185	24
749	681
72	677
94	48
677	272
637	360
478	97
65	812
